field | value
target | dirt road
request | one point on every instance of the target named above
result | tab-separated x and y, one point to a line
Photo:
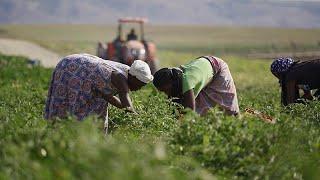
30	50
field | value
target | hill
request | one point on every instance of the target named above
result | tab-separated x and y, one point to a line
289	13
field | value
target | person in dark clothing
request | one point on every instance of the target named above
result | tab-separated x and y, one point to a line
132	35
294	76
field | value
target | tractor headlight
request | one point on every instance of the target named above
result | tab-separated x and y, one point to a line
137	53
142	52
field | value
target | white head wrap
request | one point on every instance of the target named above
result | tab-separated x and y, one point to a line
141	71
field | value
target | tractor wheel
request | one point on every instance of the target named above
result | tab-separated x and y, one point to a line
102	50
153	64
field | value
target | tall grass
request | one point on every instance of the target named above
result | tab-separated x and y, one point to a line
66	39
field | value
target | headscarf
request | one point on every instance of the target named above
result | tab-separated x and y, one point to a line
141	71
281	65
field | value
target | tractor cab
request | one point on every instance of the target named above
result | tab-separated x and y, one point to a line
132	46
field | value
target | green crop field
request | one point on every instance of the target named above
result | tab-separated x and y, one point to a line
158	143
66	39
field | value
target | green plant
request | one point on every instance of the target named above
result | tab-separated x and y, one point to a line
157	143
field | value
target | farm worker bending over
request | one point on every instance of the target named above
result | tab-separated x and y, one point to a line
84	84
294	76
201	84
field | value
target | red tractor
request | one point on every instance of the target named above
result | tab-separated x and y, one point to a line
133	48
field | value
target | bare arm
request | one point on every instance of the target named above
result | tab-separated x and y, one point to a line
115	101
120	82
189	100
307	95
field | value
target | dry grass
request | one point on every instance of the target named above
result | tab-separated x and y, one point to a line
66	39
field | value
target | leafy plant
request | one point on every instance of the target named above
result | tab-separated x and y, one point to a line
158	143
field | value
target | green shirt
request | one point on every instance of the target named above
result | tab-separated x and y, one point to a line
196	75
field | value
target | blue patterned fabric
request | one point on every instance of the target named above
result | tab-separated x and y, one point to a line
281	65
75	84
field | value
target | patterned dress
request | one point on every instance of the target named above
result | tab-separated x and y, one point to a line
77	84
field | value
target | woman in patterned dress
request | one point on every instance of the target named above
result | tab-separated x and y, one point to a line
200	85
84	84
